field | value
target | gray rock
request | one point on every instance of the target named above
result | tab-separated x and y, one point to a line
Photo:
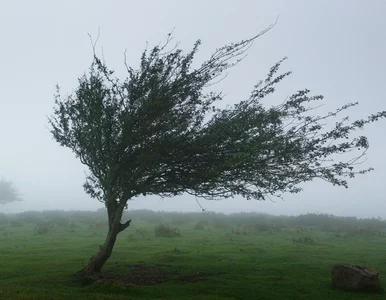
355	277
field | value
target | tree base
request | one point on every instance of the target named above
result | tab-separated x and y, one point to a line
89	273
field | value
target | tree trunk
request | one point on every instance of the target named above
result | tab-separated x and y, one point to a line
97	261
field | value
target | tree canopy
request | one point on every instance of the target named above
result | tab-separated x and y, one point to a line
159	132
8	192
149	133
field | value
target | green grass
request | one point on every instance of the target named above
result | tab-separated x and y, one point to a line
209	262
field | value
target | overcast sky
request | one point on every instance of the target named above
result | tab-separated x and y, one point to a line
335	48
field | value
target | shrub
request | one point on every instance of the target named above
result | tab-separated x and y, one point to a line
3	219
164	230
340	235
179	218
262	227
101	225
239	231
204	240
306	240
32	217
140	232
200	225
60	221
220	223
204	221
70	227
16	223
42	228
365	232
144	215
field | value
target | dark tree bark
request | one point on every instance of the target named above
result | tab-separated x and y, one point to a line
98	260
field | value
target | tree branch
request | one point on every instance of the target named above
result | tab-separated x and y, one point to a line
124	225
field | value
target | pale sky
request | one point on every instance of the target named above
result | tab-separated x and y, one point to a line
335	48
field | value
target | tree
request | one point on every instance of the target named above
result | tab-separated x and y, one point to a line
158	132
8	193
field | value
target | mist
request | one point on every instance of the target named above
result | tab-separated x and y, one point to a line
334	48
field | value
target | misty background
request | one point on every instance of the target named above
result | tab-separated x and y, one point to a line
335	48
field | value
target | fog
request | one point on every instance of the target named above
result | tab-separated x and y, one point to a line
335	48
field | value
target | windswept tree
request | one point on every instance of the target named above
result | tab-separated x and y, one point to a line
158	132
8	192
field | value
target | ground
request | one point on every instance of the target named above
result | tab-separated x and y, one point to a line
213	258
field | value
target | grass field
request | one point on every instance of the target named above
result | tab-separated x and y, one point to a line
195	256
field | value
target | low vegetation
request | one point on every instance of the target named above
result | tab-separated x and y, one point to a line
206	255
164	230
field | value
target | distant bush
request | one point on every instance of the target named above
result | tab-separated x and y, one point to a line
205	218
75	216
306	240
145	215
259	222
164	230
180	218
32	217
221	223
89	221
140	232
100	225
302	229
205	240
250	219
365	232
261	227
239	231
340	235
200	225
101	212
203	221
42	228
16	223
331	223
60	221
70	227
3	219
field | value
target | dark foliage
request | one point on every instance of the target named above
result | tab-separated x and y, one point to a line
147	134
159	132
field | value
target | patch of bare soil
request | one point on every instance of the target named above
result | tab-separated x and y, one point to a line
137	275
141	274
146	275
198	276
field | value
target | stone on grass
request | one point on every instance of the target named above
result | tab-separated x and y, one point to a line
354	277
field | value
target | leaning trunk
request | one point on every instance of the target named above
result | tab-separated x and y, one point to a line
97	261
